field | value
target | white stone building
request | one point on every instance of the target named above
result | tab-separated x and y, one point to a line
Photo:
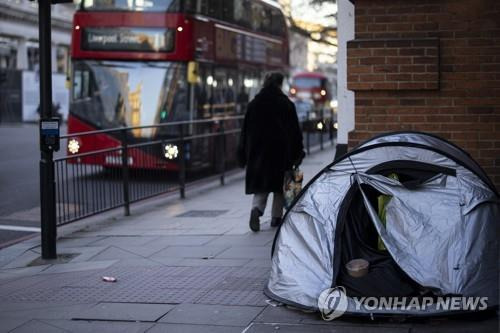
19	58
19	34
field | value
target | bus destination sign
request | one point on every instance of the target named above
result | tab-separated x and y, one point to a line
128	39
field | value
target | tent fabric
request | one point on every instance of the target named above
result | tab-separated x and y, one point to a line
435	142
440	234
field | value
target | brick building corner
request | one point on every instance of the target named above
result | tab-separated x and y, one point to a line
431	66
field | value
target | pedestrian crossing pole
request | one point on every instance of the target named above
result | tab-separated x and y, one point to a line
49	133
47	180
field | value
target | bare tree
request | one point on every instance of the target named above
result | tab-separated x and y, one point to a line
326	32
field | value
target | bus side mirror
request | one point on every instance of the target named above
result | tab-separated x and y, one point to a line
192	72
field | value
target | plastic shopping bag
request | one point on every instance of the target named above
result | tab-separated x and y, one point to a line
292	185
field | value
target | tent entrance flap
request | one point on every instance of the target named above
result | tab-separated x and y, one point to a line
359	239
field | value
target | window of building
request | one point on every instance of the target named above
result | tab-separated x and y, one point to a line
8	53
62	59
8	58
33	58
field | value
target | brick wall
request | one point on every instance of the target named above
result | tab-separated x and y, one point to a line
429	65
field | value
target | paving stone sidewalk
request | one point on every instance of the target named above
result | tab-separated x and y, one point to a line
188	265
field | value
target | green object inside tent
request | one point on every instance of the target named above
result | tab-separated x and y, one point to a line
383	200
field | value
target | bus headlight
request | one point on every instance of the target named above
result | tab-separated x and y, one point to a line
171	151
336	125
319	126
73	146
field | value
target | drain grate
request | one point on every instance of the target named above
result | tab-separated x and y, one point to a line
202	213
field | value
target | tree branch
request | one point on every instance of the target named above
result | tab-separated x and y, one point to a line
319	34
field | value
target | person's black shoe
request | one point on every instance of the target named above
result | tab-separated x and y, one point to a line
275	221
254	219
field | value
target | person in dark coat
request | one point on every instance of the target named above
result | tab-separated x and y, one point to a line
270	144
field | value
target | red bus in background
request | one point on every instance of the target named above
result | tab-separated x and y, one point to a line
139	63
312	94
311	86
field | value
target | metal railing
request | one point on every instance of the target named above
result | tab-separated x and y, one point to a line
93	182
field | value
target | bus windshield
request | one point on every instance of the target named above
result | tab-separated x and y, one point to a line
133	5
129	93
306	82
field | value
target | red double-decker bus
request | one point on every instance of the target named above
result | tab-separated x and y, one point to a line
312	94
311	86
146	62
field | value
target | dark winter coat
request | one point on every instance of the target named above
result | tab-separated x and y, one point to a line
270	142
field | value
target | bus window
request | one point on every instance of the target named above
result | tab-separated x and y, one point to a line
242	97
243	13
219	9
306	82
239	13
85	84
81	84
256	16
77	85
324	84
130	93
203	92
266	20
228	10
278	26
252	85
197	7
246	13
133	5
224	91
215	9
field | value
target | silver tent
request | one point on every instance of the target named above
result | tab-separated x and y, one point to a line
440	234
